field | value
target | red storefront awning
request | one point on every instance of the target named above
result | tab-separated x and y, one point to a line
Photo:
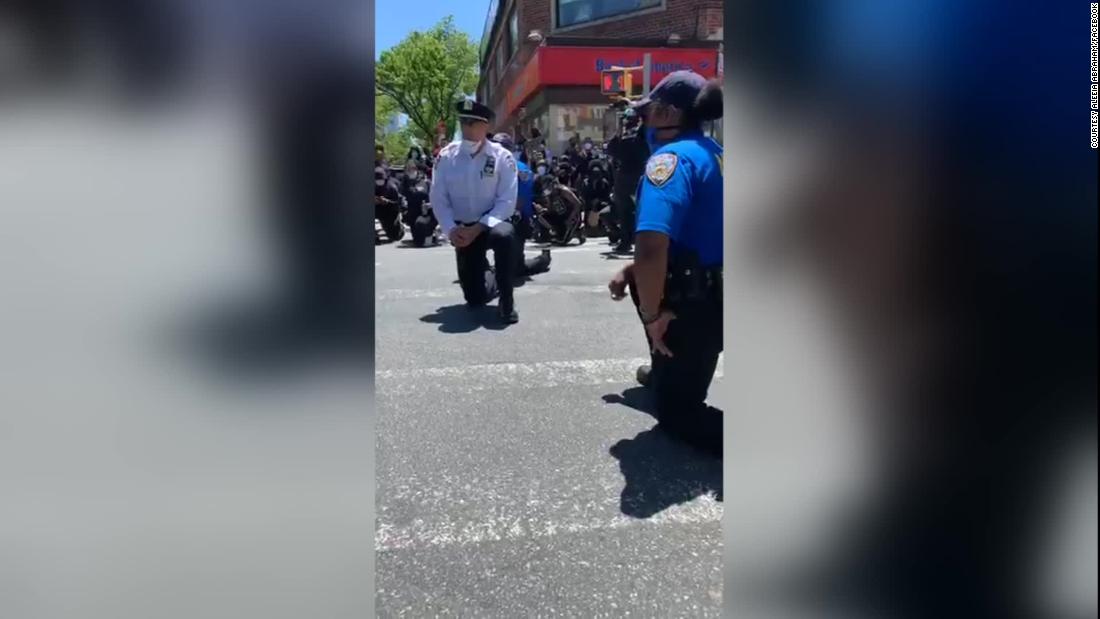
582	66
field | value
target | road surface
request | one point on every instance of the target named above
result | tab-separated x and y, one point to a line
517	471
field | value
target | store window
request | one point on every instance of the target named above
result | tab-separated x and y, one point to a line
580	121
576	12
501	63
513	33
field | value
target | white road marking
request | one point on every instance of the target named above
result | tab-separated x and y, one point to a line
516	375
419	534
396	294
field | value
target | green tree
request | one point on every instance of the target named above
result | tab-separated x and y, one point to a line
397	142
426	73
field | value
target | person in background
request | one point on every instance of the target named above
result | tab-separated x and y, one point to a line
524	217
416	189
629	152
387	204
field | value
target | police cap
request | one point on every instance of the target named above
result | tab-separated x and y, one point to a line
678	89
472	110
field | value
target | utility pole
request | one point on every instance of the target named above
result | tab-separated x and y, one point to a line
647	68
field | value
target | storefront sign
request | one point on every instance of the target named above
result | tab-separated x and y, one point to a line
581	66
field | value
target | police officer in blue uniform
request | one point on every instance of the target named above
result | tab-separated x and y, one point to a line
675	279
474	190
523	220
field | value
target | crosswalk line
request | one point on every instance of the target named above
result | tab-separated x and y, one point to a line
399	294
481	377
421	534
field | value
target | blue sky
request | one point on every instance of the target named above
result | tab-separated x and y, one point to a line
394	19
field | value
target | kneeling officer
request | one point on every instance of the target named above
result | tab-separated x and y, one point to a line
675	279
474	189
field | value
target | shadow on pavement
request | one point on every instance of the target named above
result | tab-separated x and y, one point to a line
461	319
614	255
410	244
638	398
660	473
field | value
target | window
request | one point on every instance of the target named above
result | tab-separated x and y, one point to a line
513	33
566	121
576	12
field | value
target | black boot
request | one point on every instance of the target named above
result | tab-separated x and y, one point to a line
508	314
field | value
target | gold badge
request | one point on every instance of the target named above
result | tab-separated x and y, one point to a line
660	168
468	105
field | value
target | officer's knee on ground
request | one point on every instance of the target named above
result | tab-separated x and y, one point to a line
502	234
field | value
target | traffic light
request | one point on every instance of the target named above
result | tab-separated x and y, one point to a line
614	82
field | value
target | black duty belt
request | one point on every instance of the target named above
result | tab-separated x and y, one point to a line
474	223
693	283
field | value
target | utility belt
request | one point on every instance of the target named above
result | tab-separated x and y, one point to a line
474	222
691	283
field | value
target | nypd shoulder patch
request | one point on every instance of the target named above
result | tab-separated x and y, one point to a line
660	167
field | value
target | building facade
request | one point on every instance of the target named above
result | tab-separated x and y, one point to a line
541	60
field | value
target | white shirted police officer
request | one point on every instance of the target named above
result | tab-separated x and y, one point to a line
474	189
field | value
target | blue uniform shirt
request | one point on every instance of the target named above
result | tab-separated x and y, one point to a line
526	195
680	195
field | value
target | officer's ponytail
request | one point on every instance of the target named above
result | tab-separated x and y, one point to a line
708	103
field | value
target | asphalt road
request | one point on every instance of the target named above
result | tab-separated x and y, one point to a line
518	473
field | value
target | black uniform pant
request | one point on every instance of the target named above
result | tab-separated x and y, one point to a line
528	266
624	216
478	281
679	384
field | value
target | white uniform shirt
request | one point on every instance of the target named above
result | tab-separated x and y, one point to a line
479	188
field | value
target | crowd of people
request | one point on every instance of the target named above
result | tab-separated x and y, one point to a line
586	191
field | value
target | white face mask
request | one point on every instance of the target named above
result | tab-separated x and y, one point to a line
413	174
469	146
542	169
379	181
587	147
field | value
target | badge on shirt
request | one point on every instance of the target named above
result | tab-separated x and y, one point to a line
490	167
660	168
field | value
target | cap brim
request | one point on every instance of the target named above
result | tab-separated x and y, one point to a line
474	117
640	103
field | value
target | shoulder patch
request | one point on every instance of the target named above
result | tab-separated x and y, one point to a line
660	167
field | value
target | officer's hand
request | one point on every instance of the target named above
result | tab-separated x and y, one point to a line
458	237
617	286
657	330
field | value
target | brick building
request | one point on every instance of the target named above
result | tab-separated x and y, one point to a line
541	59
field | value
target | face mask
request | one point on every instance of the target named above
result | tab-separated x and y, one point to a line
469	146
379	181
587	147
651	138
542	169
413	174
